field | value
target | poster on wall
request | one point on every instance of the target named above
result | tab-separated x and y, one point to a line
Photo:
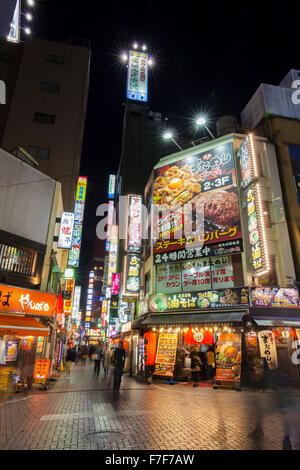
267	347
207	180
228	357
166	354
168	278
12	347
196	275
274	297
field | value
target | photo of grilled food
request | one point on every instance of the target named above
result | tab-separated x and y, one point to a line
179	186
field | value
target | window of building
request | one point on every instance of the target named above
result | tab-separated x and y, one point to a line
6	58
55	59
44	118
18	260
50	87
39	152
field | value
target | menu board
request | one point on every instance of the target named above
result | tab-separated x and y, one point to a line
229	357
235	297
274	297
254	362
206	181
41	369
253	229
12	347
166	354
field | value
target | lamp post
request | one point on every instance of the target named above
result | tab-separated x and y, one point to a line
201	122
169	136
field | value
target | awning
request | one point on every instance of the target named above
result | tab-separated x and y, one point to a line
194	318
276	317
22	326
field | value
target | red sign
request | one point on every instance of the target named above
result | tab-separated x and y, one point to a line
150	348
16	300
115	283
41	369
198	337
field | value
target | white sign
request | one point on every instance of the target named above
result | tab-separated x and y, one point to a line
66	231
135	224
137	80
267	348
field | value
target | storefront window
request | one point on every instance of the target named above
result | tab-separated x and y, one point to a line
17	260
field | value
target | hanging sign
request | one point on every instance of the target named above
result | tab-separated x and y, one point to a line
66	230
267	347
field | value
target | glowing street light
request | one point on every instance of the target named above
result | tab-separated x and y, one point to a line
201	122
30	3
29	16
169	136
124	57
27	30
150	62
144	47
135	45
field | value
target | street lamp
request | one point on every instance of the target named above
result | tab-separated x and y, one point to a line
169	136
201	122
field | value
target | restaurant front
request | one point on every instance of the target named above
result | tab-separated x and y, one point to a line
24	334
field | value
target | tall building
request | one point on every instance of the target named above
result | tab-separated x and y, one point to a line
274	112
47	90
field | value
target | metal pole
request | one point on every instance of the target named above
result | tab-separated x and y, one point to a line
209	131
176	143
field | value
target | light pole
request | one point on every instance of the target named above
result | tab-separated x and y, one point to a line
201	122
169	136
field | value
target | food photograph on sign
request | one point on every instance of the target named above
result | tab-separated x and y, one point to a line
208	180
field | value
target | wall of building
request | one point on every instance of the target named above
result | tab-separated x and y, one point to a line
64	137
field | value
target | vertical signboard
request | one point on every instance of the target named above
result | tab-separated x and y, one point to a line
69	287
113	253
133	282
76	302
229	357
66	231
115	284
245	155
267	347
111	186
137	78
135	224
253	229
14	21
110	218
74	253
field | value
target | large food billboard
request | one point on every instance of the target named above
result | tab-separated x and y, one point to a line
205	181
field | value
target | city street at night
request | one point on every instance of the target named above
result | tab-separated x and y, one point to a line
85	413
149	231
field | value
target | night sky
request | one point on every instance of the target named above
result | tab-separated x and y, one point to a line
208	58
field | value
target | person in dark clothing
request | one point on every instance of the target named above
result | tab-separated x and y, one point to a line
196	367
70	357
97	361
119	361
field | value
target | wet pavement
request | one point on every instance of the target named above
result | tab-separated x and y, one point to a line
85	413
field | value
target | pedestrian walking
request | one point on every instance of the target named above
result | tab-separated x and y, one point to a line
196	367
70	358
97	356
119	361
84	354
106	358
210	357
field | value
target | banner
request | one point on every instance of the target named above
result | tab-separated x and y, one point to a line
235	297
66	230
17	300
137	78
166	354
267	348
229	357
206	180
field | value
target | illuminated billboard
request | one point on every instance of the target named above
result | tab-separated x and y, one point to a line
135	224
206	180
137	78
66	230
74	252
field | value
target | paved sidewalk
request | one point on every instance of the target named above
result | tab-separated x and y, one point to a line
85	413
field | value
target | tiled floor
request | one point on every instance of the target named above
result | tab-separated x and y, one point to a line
85	413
